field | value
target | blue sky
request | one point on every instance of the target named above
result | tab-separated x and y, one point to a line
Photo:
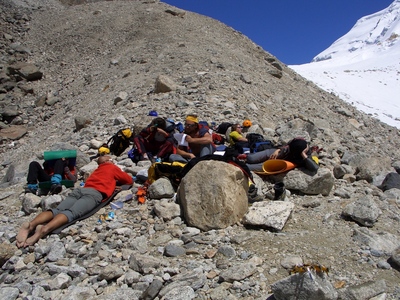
293	30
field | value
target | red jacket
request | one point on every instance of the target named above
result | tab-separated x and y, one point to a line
104	178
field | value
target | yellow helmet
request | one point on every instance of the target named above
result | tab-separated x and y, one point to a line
103	150
126	133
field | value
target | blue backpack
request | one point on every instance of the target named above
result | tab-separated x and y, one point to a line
172	126
257	142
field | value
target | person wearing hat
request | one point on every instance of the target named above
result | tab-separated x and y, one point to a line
154	140
296	152
198	139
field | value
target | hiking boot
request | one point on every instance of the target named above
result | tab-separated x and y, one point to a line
31	190
252	190
256	198
252	195
280	191
55	189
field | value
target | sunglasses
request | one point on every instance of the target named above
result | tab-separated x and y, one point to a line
190	125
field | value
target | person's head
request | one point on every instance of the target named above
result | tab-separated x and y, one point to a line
296	147
191	124
104	159
237	127
159	123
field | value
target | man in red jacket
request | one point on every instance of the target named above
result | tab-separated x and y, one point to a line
98	187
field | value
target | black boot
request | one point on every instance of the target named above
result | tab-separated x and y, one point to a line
280	191
252	190
252	194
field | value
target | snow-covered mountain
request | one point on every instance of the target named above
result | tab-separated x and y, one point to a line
363	66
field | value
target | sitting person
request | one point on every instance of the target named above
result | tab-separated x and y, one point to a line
199	142
236	139
154	140
99	186
296	151
56	173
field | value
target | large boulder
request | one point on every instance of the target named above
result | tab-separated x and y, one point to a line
213	199
13	132
30	203
368	167
300	180
161	188
376	241
366	290
364	211
307	285
27	71
164	84
269	214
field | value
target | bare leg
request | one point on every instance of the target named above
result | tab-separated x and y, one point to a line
29	227
44	230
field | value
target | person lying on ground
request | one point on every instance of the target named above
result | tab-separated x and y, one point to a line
296	151
199	141
98	187
60	171
154	140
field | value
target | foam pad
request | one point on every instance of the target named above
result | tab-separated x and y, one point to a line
276	166
93	211
50	155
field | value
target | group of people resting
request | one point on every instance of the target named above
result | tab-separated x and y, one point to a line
155	140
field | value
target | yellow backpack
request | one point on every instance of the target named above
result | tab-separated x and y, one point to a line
172	171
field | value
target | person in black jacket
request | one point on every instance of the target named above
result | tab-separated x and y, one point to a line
296	151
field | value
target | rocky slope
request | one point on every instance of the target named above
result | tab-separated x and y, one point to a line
99	63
